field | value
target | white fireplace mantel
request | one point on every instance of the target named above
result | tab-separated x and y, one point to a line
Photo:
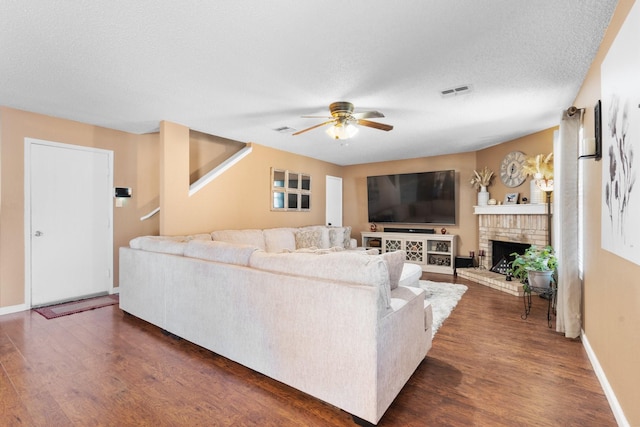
528	209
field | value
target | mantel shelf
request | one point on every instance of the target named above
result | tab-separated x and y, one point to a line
528	209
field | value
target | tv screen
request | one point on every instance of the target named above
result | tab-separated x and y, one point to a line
413	198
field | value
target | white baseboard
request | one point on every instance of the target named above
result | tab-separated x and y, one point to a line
13	309
606	387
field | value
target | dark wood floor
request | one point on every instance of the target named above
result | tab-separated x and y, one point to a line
487	367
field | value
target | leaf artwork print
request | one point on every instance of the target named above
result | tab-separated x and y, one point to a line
620	228
622	175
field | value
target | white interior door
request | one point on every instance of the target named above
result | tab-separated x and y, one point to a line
70	211
333	213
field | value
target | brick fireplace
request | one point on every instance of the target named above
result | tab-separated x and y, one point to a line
526	224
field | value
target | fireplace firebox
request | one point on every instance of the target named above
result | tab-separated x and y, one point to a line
501	254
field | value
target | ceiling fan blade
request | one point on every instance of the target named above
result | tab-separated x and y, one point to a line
316	117
313	127
375	125
367	115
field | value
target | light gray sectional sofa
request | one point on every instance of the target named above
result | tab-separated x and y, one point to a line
331	322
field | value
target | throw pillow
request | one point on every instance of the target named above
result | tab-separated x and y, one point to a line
347	237
323	243
308	239
395	263
336	236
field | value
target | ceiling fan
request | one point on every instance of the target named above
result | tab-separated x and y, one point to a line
344	120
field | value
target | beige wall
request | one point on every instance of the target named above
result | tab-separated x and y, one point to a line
135	165
611	285
531	145
239	198
208	151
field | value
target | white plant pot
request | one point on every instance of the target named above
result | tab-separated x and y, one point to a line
483	196
537	195
540	279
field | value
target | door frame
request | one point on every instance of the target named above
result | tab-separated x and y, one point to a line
28	142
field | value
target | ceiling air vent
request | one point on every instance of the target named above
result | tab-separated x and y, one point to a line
285	129
459	90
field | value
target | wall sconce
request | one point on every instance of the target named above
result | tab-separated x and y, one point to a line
591	148
121	194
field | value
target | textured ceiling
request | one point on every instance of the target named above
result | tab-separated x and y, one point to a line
240	69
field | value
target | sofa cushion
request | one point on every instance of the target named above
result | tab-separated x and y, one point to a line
230	253
395	263
243	237
280	239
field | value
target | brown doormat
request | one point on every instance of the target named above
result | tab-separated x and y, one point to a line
58	310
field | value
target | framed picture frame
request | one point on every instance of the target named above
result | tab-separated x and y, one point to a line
511	198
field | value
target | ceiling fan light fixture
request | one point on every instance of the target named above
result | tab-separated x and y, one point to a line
342	131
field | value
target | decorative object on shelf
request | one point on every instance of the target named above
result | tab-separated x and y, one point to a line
492	202
443	230
535	193
511	198
373	227
541	168
481	180
534	260
442	247
511	169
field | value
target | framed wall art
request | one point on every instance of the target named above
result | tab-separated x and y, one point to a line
621	142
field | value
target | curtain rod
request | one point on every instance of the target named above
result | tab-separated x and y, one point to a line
573	110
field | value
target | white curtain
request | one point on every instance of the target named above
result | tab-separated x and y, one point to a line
565	212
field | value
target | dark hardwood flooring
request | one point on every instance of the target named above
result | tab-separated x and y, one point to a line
487	367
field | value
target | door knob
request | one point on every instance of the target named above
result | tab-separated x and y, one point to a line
38	233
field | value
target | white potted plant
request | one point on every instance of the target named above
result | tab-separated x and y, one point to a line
535	267
540	168
480	181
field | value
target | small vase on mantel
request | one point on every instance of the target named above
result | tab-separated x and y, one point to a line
537	195
483	196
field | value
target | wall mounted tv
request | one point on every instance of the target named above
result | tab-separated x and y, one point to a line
413	198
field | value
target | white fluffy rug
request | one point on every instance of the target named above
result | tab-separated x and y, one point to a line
443	298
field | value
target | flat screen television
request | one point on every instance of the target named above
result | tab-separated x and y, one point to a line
413	198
